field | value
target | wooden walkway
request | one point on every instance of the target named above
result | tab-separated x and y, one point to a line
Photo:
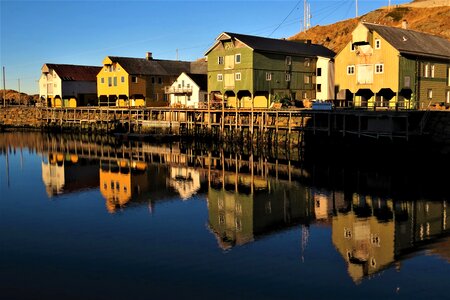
177	121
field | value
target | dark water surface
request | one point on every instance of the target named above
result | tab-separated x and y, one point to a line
85	217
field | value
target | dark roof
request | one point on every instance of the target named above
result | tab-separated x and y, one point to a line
201	80
75	72
143	66
263	44
413	42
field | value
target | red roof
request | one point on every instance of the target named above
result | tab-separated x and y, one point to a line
75	72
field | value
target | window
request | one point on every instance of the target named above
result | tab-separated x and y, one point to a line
220	60
238	224
379	68
307	62
350	70
54	85
122	79
237	58
221	219
305	95
430	94
307	79
407	81
352	47
319	87
432	71
319	71
102	80
115	81
237	76
109	81
347	233
219	77
159	80
288	77
288	60
426	71
134	79
447	96
377	44
268	76
153	80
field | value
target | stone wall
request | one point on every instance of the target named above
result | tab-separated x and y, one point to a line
20	116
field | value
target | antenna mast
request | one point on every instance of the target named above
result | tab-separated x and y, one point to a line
356	8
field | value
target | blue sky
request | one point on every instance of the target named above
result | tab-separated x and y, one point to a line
84	32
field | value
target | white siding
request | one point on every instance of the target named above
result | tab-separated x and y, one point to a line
326	80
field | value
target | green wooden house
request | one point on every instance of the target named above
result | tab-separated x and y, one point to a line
250	71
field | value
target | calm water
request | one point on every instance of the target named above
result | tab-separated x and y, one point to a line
85	217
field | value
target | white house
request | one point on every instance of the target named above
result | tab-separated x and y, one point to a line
60	82
324	78
189	90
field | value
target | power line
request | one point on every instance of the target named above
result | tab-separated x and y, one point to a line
284	19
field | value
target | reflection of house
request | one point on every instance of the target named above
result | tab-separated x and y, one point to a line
251	71
66	173
237	218
189	90
121	180
394	67
375	233
68	85
185	180
126	81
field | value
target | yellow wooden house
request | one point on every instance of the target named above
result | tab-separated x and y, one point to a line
390	67
129	82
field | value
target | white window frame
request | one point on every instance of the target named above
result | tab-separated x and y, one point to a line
268	76
379	68
432	67
219	77
447	96
236	60
237	76
377	44
287	76
426	71
307	79
220	60
352	69
430	94
288	60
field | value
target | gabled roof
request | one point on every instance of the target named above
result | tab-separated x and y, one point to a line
262	44
200	79
143	66
413	42
73	72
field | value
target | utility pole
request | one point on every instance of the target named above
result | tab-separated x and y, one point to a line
4	88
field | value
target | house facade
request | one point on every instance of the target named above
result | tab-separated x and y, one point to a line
126	81
393	67
189	90
62	85
250	71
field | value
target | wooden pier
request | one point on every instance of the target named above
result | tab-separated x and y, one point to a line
236	124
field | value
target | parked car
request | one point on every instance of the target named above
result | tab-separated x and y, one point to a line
322	105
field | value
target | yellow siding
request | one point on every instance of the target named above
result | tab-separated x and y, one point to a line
122	88
386	55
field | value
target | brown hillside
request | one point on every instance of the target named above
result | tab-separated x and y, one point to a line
12	96
434	20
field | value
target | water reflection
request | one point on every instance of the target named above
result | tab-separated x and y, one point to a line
251	196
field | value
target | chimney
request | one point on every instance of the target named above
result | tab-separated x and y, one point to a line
149	56
405	24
